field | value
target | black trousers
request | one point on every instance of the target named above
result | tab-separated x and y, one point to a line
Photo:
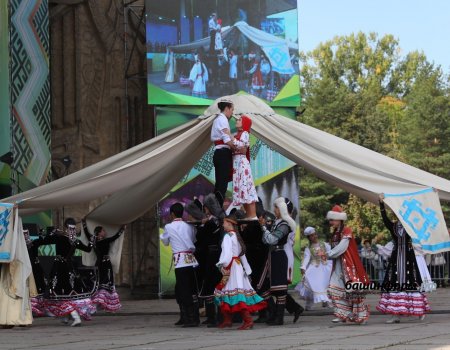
212	41
223	163
185	286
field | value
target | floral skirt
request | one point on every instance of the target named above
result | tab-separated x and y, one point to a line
349	307
62	308
38	306
107	300
404	303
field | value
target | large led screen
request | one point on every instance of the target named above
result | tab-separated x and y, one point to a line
200	50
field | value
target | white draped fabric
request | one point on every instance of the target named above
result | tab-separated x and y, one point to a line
133	181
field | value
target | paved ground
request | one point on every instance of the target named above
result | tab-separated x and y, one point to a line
147	324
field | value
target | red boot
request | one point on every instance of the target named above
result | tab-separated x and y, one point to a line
248	321
227	320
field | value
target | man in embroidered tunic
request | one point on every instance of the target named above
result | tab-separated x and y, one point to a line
181	237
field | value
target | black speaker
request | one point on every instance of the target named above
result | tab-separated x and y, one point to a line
33	229
5	191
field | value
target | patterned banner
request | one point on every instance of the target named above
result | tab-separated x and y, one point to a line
421	215
30	90
279	58
6	232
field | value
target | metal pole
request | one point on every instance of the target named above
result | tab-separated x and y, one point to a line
125	36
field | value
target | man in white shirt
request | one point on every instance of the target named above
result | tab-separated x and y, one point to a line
212	25
181	237
233	72
223	157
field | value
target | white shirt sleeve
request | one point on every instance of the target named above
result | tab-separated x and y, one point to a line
227	252
165	236
222	124
205	73
192	236
245	139
291	238
339	249
306	259
385	251
212	24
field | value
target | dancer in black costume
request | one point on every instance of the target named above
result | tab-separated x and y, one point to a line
106	296
66	293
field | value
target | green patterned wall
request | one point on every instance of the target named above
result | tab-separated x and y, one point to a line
30	91
4	96
25	128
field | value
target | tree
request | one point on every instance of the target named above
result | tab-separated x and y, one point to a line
360	88
316	198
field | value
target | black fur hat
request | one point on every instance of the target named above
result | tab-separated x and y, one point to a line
193	210
213	206
239	214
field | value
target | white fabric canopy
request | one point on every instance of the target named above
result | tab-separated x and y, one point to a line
138	178
276	49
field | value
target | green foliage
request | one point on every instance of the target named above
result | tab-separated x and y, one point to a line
316	196
360	88
365	219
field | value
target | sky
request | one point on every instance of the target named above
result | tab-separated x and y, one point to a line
417	24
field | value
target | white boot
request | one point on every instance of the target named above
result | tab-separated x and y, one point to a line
393	319
76	319
337	320
421	318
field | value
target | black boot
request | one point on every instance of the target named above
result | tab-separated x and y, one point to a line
298	312
190	316
279	316
270	311
211	320
293	307
262	316
196	312
181	320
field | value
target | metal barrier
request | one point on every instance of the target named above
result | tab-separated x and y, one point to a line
438	267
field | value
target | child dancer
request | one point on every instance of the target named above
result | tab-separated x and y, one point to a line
316	271
235	293
244	192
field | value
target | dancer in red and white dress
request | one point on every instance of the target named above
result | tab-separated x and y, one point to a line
244	192
234	294
349	306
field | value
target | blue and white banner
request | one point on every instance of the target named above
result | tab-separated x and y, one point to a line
421	215
7	241
279	58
